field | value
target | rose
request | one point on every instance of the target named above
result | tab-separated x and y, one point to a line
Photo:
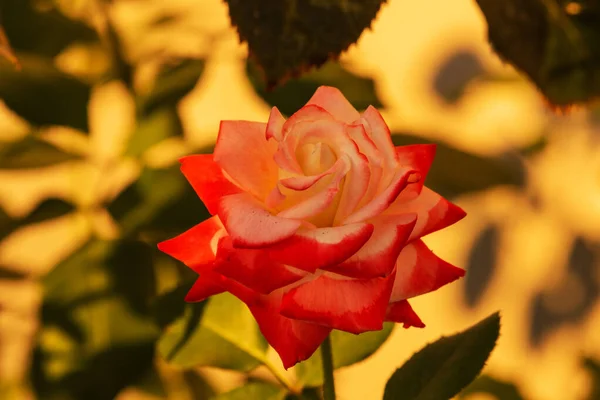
316	224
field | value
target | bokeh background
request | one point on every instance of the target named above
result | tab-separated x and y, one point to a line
111	93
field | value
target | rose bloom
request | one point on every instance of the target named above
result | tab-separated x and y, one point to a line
317	224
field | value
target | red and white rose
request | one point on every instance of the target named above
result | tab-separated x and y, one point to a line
317	224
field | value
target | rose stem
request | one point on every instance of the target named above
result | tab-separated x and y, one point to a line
327	357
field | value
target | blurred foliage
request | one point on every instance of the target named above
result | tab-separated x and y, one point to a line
556	43
287	37
443	368
31	152
481	264
254	391
46	210
487	384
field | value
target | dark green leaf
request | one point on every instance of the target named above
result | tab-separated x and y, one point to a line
171	305
455	172
151	383
555	45
347	349
43	95
500	389
257	390
288	37
593	368
41	30
309	393
31	152
483	258
225	336
172	85
443	368
156	127
292	95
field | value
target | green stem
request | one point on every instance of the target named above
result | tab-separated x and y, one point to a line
327	357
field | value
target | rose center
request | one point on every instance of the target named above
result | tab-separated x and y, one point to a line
315	158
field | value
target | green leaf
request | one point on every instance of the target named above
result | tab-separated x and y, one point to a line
556	46
43	95
593	368
455	172
482	263
96	337
443	368
293	94
153	129
254	390
31	152
499	389
48	209
347	349
288	37
171	85
171	305
225	335
41	30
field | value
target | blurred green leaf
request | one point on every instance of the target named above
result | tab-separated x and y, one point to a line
31	152
557	47
171	85
482	262
171	305
40	30
288	37
593	368
225	336
153	129
254	390
487	384
442	369
48	209
309	393
347	349
292	95
95	310
455	172
198	386
43	95
151	383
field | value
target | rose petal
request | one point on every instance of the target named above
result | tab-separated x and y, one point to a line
207	179
254	268
195	247
210	283
203	288
275	125
401	312
418	156
246	156
332	100
250	225
384	199
305	182
366	146
419	271
380	133
434	212
351	305
310	249
378	256
293	340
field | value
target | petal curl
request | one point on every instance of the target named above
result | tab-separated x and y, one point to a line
207	179
380	133
434	212
332	100
419	271
210	283
401	312
253	268
351	305
250	225
246	156
418	156
311	249
195	247
275	125
377	258
293	340
203	288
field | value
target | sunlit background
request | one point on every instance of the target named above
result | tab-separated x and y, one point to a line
528	178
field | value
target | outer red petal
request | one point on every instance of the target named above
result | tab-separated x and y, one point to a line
253	268
418	156
210	283
250	225
332	100
293	340
351	305
434	212
246	156
310	249
194	247
203	288
377	258
207	179
419	271
402	313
